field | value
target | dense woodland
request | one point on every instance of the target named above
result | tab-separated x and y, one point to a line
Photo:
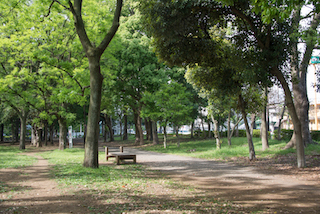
152	63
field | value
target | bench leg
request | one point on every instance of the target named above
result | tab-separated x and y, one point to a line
134	159
118	160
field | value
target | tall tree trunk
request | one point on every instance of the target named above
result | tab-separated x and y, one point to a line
148	125
155	139
46	134
63	133
216	132
84	124
178	136
33	136
1	131
264	129
253	123
301	162
228	128
23	129
280	121
209	130
165	136
192	128
108	120
252	154
137	135
139	125
51	133
125	128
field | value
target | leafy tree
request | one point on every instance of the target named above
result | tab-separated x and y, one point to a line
84	27
185	27
169	105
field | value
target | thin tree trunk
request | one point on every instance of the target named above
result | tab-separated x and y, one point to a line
125	128
108	120
46	134
178	136
264	130
228	128
137	135
253	123
216	132
252	154
209	130
139	125
192	128
165	136
63	133
280	119
84	124
155	139
23	129
1	132
51	133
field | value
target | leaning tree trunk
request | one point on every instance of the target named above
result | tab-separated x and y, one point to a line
252	154
301	162
63	133
155	139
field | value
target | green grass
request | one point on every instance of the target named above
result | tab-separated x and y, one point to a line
207	149
10	158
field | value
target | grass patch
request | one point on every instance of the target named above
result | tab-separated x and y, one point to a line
10	158
207	149
129	188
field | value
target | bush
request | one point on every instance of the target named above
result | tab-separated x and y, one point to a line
256	133
315	135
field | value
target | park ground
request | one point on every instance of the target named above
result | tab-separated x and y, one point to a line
160	183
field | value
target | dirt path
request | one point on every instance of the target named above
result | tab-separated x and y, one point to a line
35	192
247	186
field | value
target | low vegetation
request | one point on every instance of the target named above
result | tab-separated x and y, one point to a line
10	158
207	149
130	187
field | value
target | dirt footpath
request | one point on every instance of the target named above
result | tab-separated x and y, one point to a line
252	188
247	186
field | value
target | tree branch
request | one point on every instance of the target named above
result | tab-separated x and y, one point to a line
112	31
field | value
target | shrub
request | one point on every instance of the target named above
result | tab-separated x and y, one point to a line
315	135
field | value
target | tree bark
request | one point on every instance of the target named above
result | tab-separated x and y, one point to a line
155	139
178	136
125	128
137	134
93	54
51	133
264	129
63	133
23	128
253	123
280	119
165	136
252	154
216	132
1	132
192	128
228	128
301	162
108	120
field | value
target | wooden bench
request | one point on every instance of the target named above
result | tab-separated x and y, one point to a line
117	152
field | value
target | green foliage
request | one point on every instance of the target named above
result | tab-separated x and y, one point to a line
10	157
315	135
